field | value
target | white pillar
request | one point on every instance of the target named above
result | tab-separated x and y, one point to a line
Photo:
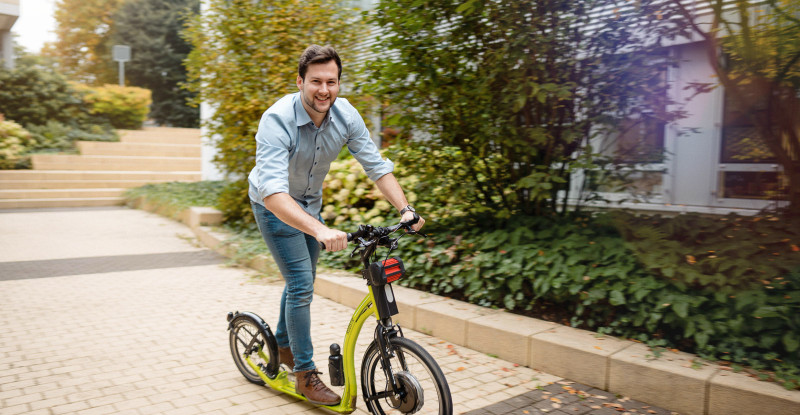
7	49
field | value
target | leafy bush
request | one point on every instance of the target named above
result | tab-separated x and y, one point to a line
122	106
56	136
14	143
234	203
34	93
177	196
611	273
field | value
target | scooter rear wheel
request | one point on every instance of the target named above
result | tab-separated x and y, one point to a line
248	337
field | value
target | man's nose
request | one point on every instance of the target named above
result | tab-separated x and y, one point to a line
324	88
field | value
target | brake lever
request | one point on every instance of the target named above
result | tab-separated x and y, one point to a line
361	245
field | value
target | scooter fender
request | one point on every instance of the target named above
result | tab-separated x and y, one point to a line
253	316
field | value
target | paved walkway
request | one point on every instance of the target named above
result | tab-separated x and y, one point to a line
112	310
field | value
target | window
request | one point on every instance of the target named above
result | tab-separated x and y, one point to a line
740	140
641	140
748	170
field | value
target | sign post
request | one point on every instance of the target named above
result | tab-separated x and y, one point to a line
121	54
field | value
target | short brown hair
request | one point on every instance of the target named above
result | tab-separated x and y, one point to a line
318	54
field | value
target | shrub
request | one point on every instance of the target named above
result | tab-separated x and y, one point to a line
174	197
56	136
234	203
600	273
122	106
14	143
34	93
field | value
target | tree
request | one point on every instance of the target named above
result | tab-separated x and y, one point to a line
152	29
83	45
755	53
244	58
521	88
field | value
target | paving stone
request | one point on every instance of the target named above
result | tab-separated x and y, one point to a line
140	311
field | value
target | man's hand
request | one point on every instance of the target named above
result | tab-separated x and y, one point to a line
410	216
334	240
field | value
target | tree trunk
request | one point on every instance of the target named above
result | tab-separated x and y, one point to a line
793	174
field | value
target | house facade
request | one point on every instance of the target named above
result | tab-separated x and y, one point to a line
712	163
9	13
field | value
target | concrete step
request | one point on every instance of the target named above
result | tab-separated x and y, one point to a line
76	184
60	193
101	148
114	163
161	135
98	175
58	203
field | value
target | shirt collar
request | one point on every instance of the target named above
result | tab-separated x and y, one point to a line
301	115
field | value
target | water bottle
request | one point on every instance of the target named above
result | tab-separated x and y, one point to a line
336	366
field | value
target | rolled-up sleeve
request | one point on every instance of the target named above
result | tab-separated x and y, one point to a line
364	149
273	144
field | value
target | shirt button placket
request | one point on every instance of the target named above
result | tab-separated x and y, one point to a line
316	157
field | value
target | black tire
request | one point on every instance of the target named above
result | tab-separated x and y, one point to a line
246	338
425	387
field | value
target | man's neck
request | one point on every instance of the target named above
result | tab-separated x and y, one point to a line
315	116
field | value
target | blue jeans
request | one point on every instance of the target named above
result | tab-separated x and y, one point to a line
296	255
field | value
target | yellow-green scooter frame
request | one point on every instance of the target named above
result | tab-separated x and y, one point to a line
347	405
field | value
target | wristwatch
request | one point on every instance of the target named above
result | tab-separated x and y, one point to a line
408	208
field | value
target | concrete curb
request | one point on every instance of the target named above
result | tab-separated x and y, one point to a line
675	380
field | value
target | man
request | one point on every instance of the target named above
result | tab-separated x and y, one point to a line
297	139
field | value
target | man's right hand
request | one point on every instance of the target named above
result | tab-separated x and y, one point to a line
334	240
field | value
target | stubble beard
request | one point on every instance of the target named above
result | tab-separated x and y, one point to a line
311	102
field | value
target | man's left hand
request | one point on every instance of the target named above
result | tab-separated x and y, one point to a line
409	216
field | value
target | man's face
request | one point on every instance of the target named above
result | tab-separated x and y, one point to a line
320	88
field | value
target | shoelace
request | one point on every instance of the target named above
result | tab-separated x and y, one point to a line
313	380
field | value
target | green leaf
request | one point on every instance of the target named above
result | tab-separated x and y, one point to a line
681	309
616	298
791	340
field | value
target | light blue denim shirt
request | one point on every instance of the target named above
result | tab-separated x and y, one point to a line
293	156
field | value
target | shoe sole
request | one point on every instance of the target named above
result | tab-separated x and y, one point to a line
316	402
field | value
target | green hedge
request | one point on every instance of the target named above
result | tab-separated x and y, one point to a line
724	288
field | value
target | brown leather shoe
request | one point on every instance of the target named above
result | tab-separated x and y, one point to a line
285	357
308	384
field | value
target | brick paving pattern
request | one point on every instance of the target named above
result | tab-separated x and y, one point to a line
564	398
120	311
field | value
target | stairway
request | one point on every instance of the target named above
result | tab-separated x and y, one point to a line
104	170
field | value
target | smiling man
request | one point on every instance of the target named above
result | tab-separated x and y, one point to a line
297	139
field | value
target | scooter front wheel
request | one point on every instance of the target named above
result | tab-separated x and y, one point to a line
420	386
250	338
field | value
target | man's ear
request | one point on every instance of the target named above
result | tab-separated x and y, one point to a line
299	83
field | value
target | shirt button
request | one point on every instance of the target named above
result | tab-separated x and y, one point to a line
317	148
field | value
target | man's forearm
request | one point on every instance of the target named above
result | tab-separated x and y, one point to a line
392	191
286	209
290	213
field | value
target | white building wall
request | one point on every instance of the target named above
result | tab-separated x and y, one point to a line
692	156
